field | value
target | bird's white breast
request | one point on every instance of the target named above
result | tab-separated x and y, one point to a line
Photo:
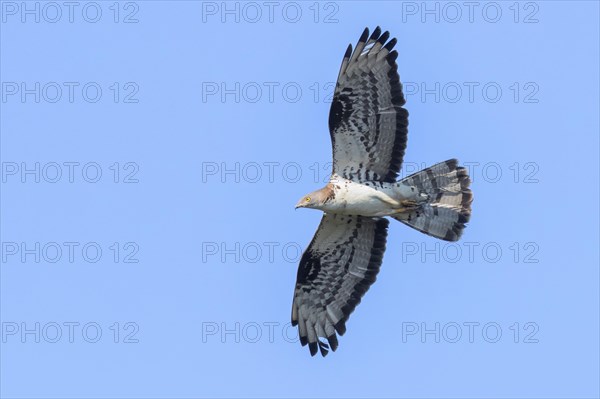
369	199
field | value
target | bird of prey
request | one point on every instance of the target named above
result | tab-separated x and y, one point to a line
368	128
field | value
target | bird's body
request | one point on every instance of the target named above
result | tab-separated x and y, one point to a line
369	129
370	199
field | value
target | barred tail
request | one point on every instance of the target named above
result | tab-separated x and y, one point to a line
448	207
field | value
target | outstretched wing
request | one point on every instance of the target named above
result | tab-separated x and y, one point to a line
367	123
337	268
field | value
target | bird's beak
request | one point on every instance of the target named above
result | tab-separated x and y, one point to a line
299	205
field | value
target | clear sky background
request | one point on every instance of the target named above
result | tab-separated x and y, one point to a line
170	273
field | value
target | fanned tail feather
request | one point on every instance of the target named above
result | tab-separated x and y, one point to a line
448	207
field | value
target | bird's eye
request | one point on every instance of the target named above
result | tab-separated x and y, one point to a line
307	199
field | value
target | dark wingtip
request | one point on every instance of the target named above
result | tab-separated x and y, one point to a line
340	327
375	33
464	217
390	45
303	341
365	34
333	342
382	39
348	51
452	164
324	348
313	347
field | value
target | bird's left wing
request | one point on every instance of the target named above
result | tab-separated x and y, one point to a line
337	268
367	123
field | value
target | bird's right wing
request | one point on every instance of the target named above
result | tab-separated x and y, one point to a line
367	123
336	270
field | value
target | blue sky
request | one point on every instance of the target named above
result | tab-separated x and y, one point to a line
152	153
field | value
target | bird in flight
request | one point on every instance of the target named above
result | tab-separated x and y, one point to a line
368	128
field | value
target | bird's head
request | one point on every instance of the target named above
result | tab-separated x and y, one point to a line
315	200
